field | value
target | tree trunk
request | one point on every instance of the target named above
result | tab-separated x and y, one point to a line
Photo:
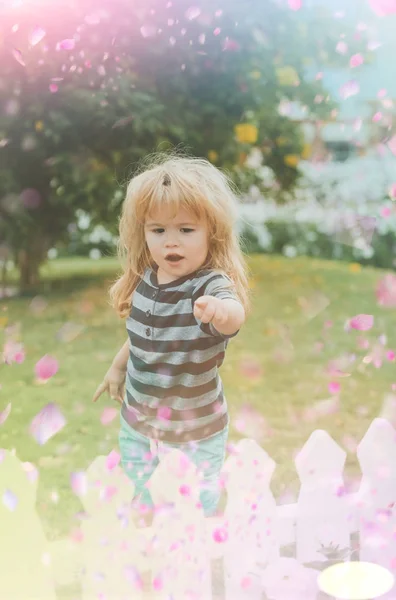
29	262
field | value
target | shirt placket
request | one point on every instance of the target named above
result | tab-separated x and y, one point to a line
149	313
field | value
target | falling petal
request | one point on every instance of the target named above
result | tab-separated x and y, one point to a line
361	322
92	19
313	304
356	60
108	415
351	88
382	8
47	423
334	387
18	56
69	331
220	535
342	47
79	483
250	422
5	413
230	45
392	145
112	460
295	4
36	36
322	408
67	44
164	413
31	471
193	12
148	31
386	291
10	501
53	88
46	367
386	212
13	352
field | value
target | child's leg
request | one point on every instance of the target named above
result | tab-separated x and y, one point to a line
208	455
137	460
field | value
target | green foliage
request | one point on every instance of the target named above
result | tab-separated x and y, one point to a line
306	240
141	77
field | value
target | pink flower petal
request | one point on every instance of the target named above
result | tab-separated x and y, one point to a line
362	322
10	501
295	4
383	7
18	56
334	387
386	291
386	212
351	88
5	413
79	483
67	44
108	415
13	352
53	88
47	423
392	145
220	535
193	12
46	367
112	460
148	31
342	47
164	413
356	60
36	36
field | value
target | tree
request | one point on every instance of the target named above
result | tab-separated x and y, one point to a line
88	91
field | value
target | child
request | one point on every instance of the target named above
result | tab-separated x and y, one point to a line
184	293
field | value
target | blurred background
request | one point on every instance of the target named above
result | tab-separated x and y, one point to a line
296	100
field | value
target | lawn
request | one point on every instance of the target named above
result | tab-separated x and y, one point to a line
275	366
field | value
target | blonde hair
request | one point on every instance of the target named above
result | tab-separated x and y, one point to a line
169	180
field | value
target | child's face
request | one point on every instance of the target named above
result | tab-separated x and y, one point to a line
183	235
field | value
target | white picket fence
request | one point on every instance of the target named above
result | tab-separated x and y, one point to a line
112	557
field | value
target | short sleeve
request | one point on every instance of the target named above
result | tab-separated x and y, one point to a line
220	286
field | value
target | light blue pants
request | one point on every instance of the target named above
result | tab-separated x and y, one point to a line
139	463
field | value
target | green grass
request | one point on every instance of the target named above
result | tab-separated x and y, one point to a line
76	291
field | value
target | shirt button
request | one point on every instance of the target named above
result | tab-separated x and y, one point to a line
148	313
148	331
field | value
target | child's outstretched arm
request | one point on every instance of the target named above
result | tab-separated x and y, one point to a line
114	380
227	315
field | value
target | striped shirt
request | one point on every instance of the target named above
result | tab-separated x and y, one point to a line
173	390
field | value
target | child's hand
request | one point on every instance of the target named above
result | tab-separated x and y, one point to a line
113	383
209	308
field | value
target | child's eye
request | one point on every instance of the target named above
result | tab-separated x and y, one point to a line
183	228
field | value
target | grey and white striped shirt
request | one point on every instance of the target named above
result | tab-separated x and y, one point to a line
174	392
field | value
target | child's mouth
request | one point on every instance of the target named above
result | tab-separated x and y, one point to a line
174	259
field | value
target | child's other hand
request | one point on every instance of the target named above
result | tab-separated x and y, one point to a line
113	383
209	308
